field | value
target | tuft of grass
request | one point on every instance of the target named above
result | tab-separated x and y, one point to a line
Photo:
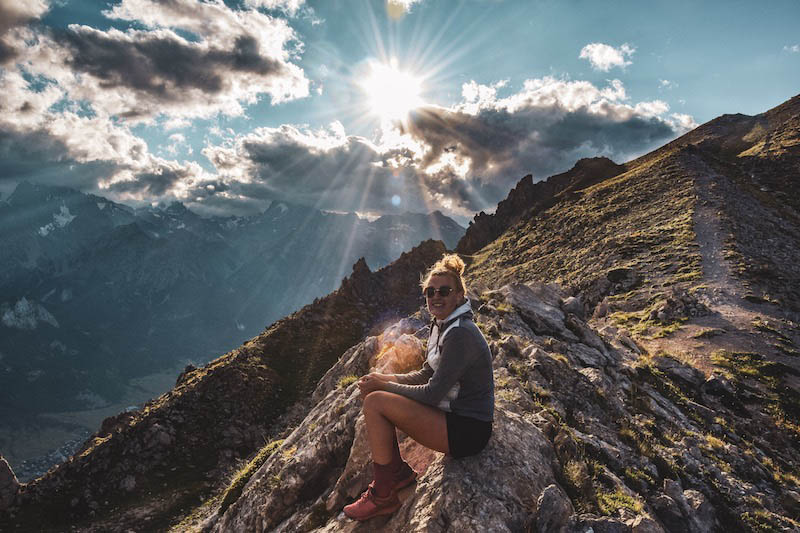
609	502
504	308
782	401
707	333
346	381
241	477
766	521
714	443
639	476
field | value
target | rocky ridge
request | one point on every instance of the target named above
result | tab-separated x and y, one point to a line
529	197
588	434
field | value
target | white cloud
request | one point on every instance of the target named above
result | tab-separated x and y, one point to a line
14	16
794	49
666	84
605	57
683	122
290	6
185	59
15	13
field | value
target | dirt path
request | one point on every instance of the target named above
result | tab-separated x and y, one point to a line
730	325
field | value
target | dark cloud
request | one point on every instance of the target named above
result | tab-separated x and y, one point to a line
464	159
502	146
42	158
346	176
155	183
161	63
16	14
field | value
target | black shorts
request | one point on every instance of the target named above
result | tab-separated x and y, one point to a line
466	435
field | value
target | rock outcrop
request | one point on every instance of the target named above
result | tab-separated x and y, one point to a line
588	433
9	486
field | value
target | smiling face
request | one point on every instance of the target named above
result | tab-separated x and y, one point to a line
441	306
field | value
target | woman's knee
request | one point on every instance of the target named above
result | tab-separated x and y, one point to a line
375	400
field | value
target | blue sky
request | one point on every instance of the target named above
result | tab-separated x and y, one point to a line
367	106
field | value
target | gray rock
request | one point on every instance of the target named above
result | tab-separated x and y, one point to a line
586	355
702	515
645	524
668	512
543	318
717	385
678	371
574	305
9	486
585	334
791	502
553	510
600	524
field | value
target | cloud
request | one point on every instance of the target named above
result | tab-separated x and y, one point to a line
290	6
605	57
15	15
398	8
462	159
322	168
44	138
794	49
182	59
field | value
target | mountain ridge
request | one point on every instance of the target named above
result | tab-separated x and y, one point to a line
645	335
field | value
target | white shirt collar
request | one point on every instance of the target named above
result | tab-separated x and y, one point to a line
460	310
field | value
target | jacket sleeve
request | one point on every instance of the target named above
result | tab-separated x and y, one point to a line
458	353
418	377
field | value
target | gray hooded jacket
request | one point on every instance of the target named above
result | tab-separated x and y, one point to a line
457	374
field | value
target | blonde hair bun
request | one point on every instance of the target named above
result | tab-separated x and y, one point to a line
449	265
452	262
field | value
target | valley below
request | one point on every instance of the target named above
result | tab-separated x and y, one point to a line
33	445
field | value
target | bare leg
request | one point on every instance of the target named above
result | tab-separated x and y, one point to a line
384	411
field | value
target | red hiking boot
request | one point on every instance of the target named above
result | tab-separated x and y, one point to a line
369	505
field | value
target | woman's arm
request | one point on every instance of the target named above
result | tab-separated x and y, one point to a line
459	350
383	377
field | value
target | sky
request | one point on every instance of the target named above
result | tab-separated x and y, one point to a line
363	106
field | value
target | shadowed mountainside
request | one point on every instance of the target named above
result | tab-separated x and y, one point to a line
173	450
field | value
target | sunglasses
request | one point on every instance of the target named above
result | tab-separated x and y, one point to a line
443	291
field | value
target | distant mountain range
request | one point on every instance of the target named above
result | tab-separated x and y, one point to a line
93	292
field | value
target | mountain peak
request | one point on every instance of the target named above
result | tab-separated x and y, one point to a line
528	196
177	208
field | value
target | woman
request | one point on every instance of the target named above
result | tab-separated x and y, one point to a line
447	406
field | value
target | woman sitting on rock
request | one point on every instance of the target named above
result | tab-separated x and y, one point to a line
447	406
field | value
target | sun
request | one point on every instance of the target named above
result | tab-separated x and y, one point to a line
391	92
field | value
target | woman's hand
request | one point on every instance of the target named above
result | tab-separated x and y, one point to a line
372	382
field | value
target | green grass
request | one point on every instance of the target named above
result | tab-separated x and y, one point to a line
346	381
609	502
241	477
782	401
707	333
